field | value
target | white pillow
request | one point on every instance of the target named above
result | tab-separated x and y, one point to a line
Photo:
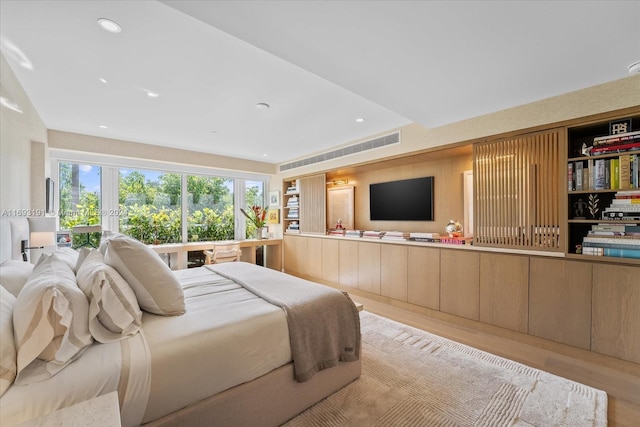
69	256
50	321
106	237
14	274
114	313
156	287
7	343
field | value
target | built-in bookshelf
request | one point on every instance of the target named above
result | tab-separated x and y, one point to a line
291	203
603	176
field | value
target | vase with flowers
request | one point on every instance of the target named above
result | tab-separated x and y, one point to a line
257	215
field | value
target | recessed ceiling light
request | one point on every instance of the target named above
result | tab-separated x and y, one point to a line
104	81
265	155
102	126
634	68
360	119
109	25
152	94
262	106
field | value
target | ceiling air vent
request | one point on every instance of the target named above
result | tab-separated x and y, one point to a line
382	141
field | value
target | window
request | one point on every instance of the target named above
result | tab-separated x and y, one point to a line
80	196
150	205
253	196
210	208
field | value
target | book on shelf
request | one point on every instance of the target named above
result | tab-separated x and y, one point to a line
628	194
336	232
425	239
353	233
570	177
578	176
418	235
612	252
610	149
372	234
614	171
620	138
455	240
599	177
395	235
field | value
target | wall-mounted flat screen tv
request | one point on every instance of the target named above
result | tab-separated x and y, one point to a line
404	200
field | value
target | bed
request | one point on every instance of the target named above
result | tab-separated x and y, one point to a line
243	346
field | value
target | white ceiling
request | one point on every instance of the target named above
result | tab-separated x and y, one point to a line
319	64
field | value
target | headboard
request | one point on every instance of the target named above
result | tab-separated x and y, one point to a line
12	231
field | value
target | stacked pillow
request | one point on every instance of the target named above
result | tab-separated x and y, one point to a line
51	312
50	321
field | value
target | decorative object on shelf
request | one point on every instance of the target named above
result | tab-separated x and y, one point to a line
620	126
260	233
454	228
258	216
274	198
274	216
578	209
593	205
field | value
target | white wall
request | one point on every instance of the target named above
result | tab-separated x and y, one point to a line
22	178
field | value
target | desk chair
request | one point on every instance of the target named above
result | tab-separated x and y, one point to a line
223	252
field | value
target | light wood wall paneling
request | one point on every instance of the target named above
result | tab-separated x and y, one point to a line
423	277
313	258
615	327
504	291
313	211
348	263
393	271
330	260
459	283
369	267
560	300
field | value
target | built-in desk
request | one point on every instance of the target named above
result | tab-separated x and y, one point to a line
272	253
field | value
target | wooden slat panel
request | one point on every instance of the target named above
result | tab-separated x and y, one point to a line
517	192
313	204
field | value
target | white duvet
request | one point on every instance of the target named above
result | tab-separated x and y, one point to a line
227	336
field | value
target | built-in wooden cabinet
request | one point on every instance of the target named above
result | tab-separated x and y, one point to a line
615	322
560	300
393	271
423	276
459	284
594	306
504	291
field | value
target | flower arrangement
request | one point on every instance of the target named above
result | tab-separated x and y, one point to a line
257	215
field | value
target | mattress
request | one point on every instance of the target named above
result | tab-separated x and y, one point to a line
228	336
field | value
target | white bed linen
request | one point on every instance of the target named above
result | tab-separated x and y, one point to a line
227	336
120	366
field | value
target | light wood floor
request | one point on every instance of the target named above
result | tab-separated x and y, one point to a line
620	379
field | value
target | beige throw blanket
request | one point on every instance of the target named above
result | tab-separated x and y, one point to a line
324	324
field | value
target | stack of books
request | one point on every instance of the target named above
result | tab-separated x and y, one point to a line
612	240
395	235
616	143
336	232
625	206
293	227
293	188
456	240
424	237
353	233
370	234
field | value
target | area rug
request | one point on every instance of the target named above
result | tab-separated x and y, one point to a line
413	378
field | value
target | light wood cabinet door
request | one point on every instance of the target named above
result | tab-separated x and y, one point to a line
330	260
369	267
423	277
615	328
459	283
313	258
294	253
504	291
560	300
393	271
348	263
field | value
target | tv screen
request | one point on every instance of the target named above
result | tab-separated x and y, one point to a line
404	200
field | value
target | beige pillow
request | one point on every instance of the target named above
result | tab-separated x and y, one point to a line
114	313
50	321
14	274
7	344
156	287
